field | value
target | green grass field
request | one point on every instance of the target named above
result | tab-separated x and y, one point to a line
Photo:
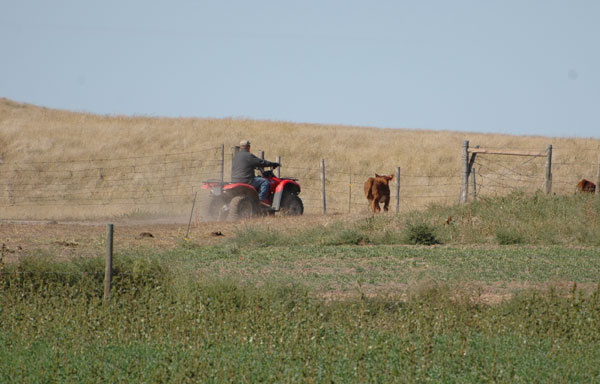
263	314
350	301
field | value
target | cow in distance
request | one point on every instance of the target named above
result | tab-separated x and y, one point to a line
377	191
586	186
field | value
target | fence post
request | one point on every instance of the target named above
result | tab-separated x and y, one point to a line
350	194
234	152
464	186
278	170
549	170
598	178
108	264
323	200
474	184
222	162
397	189
191	214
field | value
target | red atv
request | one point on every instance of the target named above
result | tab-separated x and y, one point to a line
233	201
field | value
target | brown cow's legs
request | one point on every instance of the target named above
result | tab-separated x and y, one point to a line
376	204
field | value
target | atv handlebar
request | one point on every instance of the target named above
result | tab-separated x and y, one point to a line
272	167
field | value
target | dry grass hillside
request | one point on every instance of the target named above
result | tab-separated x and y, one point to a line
58	165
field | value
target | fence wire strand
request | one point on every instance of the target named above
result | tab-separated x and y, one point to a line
173	178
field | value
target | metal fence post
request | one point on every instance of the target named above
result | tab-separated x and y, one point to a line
234	152
191	214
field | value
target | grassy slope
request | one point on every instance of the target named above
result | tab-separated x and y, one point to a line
53	139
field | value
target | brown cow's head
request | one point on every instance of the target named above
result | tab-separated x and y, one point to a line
385	177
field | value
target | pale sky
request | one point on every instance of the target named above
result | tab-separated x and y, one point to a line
525	67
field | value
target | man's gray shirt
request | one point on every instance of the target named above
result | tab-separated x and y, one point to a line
244	163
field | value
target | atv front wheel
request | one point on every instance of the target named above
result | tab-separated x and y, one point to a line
291	205
242	207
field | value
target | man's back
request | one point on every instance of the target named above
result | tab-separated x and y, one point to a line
244	163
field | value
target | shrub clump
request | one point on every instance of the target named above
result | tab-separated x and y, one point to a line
421	234
507	237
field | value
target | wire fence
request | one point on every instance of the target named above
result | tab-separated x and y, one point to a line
497	175
105	186
168	183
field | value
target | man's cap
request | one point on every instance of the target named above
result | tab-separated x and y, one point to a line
244	143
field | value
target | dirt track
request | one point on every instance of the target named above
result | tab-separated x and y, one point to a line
85	239
88	238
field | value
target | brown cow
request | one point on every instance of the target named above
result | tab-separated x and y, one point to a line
377	190
586	186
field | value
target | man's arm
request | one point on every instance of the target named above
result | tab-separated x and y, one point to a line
257	162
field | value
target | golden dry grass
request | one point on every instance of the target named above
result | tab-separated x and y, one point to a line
60	165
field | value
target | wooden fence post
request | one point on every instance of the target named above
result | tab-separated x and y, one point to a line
323	200
464	185
397	189
108	264
278	170
549	170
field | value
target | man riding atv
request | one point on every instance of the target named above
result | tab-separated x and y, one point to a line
242	171
248	195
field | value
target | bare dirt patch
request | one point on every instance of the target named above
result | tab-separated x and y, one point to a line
69	239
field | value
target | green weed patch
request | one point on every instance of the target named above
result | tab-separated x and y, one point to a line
229	332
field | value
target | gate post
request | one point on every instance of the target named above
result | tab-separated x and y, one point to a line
464	185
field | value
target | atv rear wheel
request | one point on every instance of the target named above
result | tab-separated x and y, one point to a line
242	207
212	208
291	205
